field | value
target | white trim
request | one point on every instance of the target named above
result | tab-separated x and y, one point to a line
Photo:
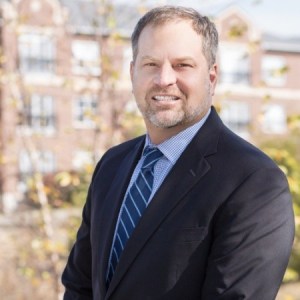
279	93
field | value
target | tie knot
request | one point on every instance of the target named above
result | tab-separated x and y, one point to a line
152	155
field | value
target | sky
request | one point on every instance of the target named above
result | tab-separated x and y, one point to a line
279	17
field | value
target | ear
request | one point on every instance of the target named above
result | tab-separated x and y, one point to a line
213	77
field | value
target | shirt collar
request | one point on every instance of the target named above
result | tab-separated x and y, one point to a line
174	146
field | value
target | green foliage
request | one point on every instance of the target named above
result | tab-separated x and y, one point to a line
67	188
32	267
132	124
286	153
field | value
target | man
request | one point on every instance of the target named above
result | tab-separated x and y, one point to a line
190	210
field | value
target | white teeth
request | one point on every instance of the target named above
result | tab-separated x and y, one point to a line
165	98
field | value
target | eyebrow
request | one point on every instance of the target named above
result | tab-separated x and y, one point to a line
184	58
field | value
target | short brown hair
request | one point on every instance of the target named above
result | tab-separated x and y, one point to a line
163	14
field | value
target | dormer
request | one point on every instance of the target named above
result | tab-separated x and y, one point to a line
39	13
235	26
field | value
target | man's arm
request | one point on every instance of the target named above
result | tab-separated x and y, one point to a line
253	236
77	275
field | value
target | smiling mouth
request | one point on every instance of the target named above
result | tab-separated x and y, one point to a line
165	98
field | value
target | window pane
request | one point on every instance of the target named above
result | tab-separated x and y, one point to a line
234	64
85	111
86	58
40	113
236	116
46	162
36	53
274	70
274	119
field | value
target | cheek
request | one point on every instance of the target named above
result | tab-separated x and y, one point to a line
139	90
190	88
190	81
138	77
142	84
137	86
200	86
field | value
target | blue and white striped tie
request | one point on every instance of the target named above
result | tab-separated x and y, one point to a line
133	207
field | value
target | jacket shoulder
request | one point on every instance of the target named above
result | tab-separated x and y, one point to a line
112	157
124	147
244	152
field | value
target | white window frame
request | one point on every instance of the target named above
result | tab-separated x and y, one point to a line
40	114
85	111
270	68
36	53
274	119
86	58
46	162
236	115
234	64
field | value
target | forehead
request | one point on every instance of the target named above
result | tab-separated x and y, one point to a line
169	26
172	36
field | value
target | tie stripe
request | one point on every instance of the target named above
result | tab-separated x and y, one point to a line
134	205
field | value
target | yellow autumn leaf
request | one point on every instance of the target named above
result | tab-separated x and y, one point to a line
63	178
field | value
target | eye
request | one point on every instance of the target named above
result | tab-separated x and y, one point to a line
184	65
150	64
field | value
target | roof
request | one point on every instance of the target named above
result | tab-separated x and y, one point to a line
84	16
275	43
269	42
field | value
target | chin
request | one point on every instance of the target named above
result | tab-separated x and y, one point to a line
166	123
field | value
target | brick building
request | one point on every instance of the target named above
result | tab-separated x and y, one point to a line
259	77
59	100
64	83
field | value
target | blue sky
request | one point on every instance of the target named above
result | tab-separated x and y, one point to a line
280	17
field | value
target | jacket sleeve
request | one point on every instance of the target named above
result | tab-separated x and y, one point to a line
77	274
253	236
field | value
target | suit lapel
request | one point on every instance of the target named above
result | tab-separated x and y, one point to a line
187	172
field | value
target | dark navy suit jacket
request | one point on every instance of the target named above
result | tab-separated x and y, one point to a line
221	226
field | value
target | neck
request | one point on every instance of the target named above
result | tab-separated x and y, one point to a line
158	135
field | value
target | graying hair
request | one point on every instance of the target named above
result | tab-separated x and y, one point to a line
163	14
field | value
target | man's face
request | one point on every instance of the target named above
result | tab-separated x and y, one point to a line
171	80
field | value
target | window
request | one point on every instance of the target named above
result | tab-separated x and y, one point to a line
85	111
39	114
274	119
236	116
274	70
86	58
36	53
234	64
44	161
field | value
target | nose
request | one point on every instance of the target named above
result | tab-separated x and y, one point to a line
165	76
